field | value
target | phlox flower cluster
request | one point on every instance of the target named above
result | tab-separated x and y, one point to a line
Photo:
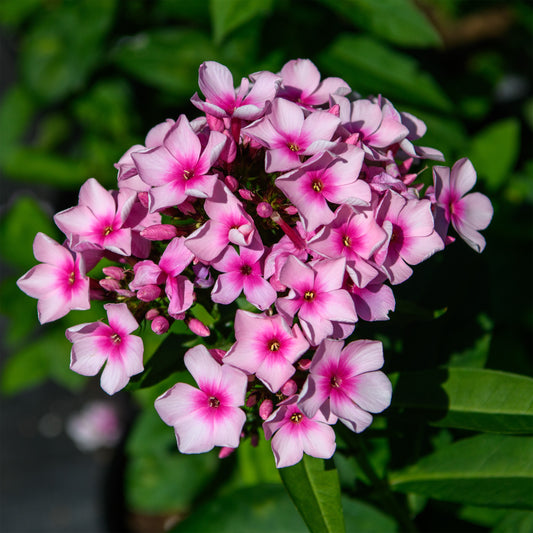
289	192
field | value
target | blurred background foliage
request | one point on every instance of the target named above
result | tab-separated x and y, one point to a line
95	75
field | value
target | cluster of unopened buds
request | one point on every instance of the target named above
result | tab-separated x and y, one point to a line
288	189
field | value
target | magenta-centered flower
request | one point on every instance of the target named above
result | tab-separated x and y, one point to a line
267	347
97	343
294	434
59	283
211	415
346	382
467	213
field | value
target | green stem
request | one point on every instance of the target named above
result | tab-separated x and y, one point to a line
387	497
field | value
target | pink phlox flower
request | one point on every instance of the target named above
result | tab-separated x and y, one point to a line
381	181
417	129
224	101
317	296
411	237
242	273
355	235
288	134
346	382
376	129
210	415
326	178
301	84
372	301
228	224
174	260
98	221
180	167
127	171
97	343
267	347
294	434
59	282
138	219
467	213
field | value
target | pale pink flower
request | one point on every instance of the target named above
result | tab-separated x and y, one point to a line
317	296
267	347
228	223
346	382
294	434
467	213
301	84
211	415
288	134
223	100
374	301
411	237
326	178
242	273
99	219
96	343
180	167
59	282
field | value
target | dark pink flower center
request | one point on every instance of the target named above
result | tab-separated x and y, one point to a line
107	230
214	402
347	241
188	174
317	185
72	278
274	345
246	270
296	417
116	338
293	147
309	296
335	382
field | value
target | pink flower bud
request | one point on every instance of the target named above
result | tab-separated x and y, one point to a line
231	183
126	293
187	208
245	194
289	388
114	272
352	139
264	209
160	325
225	452
304	364
291	210
251	400
265	409
144	199
198	327
217	354
160	232
335	110
148	293
110	285
151	314
254	440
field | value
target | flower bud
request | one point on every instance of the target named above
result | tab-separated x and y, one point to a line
304	364
217	354
114	272
335	110
245	194
231	183
144	199
160	232
251	400
291	210
289	388
265	409
198	327
254	440
151	314
225	452
148	293
264	209
110	285
160	325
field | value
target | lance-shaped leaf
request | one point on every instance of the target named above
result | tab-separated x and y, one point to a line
313	484
468	398
489	470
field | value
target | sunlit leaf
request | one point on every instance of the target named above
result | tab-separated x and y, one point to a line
491	470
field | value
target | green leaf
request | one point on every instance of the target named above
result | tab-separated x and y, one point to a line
313	484
370	67
363	518
490	470
468	398
407	27
227	15
48	357
16	111
502	138
515	522
18	228
32	165
61	50
166	58
15	12
263	508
